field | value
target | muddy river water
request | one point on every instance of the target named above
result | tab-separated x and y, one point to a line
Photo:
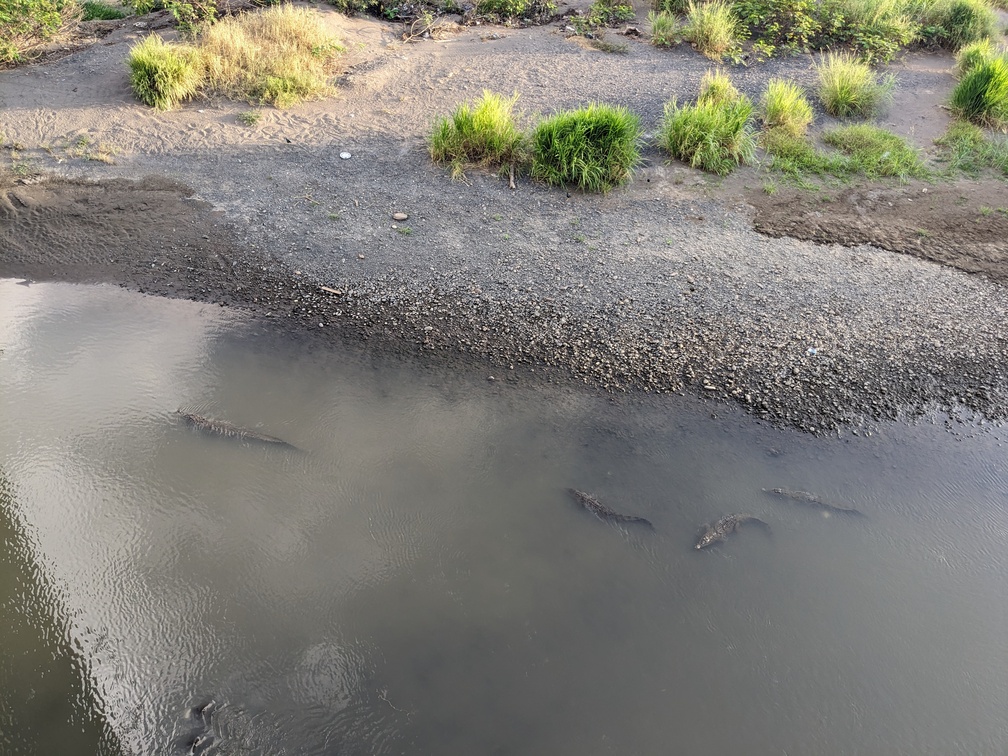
415	578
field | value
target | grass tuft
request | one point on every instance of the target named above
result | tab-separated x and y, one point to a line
665	29
94	10
671	7
848	87
981	96
715	134
163	75
712	28
974	54
279	56
717	88
784	106
594	148
795	157
876	152
482	134
966	148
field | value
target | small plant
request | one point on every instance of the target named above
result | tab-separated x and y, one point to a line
671	7
877	152
594	148
163	75
94	10
249	117
143	7
191	15
665	29
967	149
712	28
784	106
715	134
973	55
848	87
602	13
501	9
25	24
981	96
483	134
790	25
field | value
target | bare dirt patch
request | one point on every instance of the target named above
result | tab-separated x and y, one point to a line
962	224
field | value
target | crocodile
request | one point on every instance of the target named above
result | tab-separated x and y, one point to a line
811	500
724	527
214	427
603	512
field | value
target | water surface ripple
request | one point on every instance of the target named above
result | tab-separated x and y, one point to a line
416	579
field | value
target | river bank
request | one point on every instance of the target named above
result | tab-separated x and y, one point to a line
666	285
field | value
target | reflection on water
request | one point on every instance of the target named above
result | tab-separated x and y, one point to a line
418	579
47	703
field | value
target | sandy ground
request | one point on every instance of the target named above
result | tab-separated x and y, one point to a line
677	282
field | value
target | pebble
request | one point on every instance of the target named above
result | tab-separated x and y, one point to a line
400	216
345	156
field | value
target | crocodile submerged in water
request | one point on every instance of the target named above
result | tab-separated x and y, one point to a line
724	527
811	500
226	430
603	512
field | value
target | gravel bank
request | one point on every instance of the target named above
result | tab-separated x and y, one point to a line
663	286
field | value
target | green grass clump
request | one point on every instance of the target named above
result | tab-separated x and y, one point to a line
797	158
163	75
974	54
712	28
981	96
593	148
715	134
502	9
966	148
848	87
665	29
672	7
94	10
784	106
876	152
498	10
606	13
482	134
717	88
956	23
